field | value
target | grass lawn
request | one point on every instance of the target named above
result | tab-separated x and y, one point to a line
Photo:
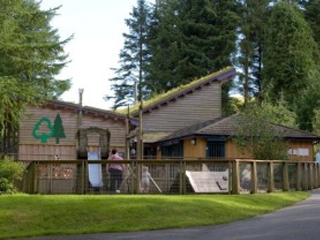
32	215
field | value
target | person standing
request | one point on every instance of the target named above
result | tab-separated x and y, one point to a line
115	171
318	156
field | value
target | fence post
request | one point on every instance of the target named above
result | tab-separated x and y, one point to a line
230	187
36	176
318	176
310	176
298	176
236	177
270	177
285	177
254	177
315	177
305	177
184	177
82	177
180	177
132	176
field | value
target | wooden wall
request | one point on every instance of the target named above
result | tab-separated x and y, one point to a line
233	152
195	151
201	105
31	148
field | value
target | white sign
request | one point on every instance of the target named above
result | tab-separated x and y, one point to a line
209	182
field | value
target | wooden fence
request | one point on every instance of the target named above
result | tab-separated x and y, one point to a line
177	176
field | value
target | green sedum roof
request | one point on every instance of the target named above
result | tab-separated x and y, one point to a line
175	91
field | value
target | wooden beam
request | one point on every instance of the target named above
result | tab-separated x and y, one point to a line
270	177
298	177
236	177
254	177
285	172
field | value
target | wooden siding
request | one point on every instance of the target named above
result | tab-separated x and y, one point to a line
195	151
31	148
201	105
295	145
233	152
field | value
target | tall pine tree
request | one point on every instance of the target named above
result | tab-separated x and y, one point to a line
134	57
31	55
291	53
193	38
312	15
291	61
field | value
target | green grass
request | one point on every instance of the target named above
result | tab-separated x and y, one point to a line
27	215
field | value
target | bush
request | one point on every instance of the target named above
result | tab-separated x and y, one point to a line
10	172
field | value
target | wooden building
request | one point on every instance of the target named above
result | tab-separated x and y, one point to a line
213	139
186	122
50	132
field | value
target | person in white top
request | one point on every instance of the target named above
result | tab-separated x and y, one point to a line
318	156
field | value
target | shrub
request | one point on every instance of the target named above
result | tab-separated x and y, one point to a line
10	172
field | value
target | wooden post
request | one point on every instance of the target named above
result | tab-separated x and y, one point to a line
236	177
230	177
318	175
181	177
132	177
270	177
184	177
315	176
80	110
305	177
298	177
36	178
285	177
254	177
127	145
310	176
140	135
82	178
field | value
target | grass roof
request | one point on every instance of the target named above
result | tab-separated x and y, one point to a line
175	91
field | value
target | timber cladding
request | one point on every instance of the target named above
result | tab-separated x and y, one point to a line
199	105
49	131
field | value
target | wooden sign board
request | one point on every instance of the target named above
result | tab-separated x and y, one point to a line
209	182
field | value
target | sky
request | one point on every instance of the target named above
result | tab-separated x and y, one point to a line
97	26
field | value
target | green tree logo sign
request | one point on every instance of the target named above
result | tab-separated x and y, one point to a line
58	129
44	130
43	135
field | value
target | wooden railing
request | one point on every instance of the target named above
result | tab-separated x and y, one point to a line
294	175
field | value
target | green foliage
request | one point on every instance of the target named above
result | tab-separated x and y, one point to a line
256	134
291	54
316	121
134	58
312	14
31	55
10	172
67	214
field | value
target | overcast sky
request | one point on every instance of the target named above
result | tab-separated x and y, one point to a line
97	26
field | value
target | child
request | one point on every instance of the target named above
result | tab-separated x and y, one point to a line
145	180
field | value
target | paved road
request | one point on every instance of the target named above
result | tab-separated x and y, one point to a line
299	222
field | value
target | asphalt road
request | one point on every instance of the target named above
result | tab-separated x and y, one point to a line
298	222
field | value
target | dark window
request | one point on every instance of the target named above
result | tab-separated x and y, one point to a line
215	149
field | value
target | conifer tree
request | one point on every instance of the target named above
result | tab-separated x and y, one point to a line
291	54
194	38
312	14
31	55
134	57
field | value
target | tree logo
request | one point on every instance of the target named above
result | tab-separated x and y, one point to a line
58	129
43	134
44	130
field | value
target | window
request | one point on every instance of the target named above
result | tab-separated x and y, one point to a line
215	149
